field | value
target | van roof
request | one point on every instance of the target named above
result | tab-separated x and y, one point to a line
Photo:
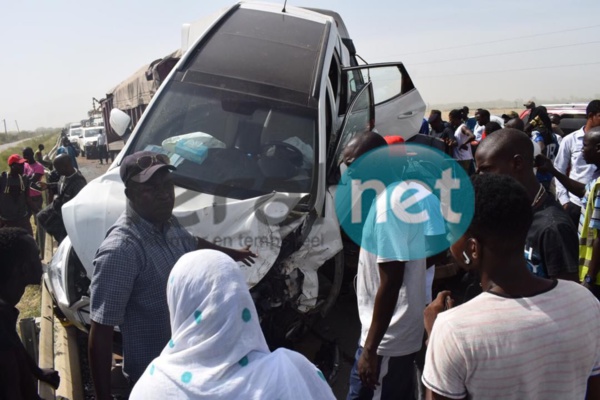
262	53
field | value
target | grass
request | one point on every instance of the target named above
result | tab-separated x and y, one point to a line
31	302
47	140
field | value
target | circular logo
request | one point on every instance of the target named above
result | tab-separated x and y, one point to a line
404	202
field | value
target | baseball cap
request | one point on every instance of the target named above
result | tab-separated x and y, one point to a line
530	103
16	159
141	166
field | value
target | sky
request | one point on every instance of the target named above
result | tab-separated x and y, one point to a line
59	54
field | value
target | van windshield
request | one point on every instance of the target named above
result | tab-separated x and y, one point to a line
231	144
93	132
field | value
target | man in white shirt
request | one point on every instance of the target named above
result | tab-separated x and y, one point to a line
102	146
524	337
390	291
463	136
570	156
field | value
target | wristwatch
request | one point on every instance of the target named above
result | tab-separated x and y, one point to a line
588	279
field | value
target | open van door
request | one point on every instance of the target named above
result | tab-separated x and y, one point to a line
399	107
359	118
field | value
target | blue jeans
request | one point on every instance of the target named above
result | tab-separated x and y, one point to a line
396	375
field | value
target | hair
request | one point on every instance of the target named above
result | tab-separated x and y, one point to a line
593	108
483	113
502	210
491	127
12	247
438	113
465	110
28	150
456	113
41	146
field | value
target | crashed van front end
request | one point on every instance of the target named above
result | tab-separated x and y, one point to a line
241	118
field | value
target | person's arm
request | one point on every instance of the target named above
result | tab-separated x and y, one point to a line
391	275
561	163
100	355
544	164
469	134
559	245
244	255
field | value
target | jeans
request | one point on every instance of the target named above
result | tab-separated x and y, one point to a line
396	375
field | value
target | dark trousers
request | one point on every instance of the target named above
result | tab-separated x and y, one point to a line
102	153
396	375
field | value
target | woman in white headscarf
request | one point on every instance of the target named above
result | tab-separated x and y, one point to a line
217	349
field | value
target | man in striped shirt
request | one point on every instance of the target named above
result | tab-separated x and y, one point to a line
524	337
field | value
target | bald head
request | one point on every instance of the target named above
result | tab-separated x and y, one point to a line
63	165
515	123
361	144
507	152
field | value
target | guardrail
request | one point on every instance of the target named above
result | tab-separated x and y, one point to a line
58	347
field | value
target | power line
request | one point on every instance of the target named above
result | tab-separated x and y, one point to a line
509	70
499	40
506	53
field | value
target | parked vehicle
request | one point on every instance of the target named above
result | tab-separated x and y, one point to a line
74	134
255	116
88	139
572	115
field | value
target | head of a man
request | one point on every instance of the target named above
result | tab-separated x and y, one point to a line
361	144
593	114
63	165
465	111
530	105
455	117
28	155
66	142
515	123
500	223
482	116
20	264
591	146
41	147
435	120
555	119
506	152
492	127
16	163
149	186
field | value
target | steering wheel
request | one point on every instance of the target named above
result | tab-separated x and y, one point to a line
283	150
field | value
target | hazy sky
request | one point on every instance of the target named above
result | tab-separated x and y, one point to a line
59	54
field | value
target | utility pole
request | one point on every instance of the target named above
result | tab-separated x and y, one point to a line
17	124
5	131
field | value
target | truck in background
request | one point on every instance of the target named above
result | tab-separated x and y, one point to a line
132	96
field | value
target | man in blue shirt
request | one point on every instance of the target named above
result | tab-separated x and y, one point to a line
131	269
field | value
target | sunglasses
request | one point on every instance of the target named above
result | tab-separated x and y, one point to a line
148	161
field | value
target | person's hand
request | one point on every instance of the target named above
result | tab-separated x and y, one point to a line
367	369
464	146
543	163
50	376
442	302
43	185
244	255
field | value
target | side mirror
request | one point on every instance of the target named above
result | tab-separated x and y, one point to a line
119	121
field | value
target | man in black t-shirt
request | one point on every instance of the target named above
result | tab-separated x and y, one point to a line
441	130
551	247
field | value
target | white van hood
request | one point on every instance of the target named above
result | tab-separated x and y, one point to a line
227	222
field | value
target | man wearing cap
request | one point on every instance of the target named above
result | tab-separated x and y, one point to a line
530	105
131	268
15	200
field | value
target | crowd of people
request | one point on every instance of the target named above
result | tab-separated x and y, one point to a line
190	328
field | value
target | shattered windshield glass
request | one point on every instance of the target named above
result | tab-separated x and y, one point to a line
231	144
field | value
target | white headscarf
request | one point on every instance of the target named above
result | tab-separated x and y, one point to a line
217	349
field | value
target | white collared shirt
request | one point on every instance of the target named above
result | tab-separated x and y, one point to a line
570	155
